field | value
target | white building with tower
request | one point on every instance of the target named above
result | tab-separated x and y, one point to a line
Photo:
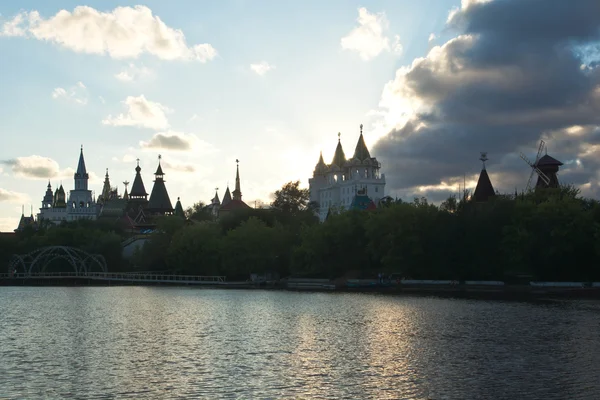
79	205
344	184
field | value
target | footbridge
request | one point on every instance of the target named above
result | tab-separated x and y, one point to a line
82	266
124	277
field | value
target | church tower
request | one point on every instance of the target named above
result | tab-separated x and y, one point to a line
48	199
159	202
237	193
81	176
234	203
80	204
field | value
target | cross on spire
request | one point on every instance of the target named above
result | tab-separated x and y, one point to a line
484	158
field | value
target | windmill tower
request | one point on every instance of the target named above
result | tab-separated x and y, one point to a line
545	167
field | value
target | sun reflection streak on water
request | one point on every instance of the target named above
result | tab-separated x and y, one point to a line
132	342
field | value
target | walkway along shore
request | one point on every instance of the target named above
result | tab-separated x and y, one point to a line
431	287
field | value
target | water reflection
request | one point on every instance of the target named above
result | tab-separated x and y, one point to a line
171	343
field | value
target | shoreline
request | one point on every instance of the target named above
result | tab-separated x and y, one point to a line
523	292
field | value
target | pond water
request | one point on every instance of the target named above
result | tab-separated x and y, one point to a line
153	342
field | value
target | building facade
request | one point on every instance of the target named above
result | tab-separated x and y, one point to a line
334	186
56	207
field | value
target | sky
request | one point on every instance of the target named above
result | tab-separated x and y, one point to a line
434	82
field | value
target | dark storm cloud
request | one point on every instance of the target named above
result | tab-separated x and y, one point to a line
512	75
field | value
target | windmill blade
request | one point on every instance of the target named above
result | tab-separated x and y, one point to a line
539	153
543	176
529	180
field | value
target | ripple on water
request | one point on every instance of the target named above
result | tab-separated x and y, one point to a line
132	342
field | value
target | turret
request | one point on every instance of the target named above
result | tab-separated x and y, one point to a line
159	202
226	197
339	158
81	176
60	198
361	152
179	209
106	190
321	167
48	199
138	191
484	189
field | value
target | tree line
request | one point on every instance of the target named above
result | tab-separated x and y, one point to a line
549	234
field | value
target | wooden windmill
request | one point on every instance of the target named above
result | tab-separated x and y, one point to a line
545	167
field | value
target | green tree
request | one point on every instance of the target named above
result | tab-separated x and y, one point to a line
291	198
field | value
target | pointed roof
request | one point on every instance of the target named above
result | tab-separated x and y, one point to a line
48	197
81	171
226	197
237	193
138	189
362	202
159	198
215	200
159	170
484	189
179	209
339	158
321	167
548	161
105	195
361	152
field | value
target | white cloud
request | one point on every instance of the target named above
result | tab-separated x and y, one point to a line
132	73
102	99
432	37
13	197
369	38
125	32
262	67
141	113
77	94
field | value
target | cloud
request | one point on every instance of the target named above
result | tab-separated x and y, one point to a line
141	113
38	167
169	141
76	94
369	38
432	37
8	224
262	68
13	197
133	73
125	32
186	168
34	167
178	141
480	91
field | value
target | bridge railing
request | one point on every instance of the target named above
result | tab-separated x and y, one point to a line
123	276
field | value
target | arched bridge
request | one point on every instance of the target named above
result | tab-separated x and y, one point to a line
82	262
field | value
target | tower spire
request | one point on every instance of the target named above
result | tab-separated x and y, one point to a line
237	193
